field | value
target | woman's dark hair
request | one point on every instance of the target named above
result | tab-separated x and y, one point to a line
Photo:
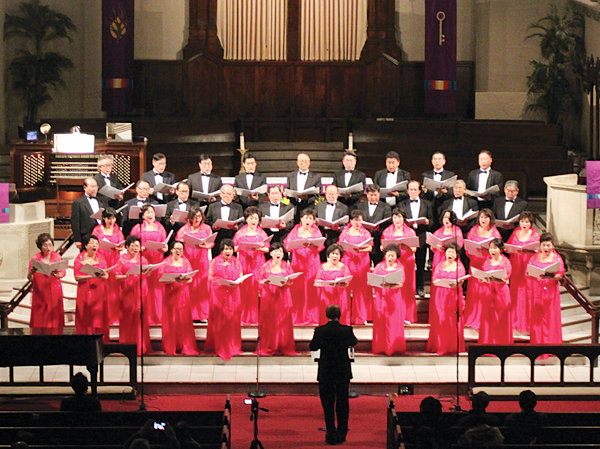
87	240
357	213
455	247
498	243
251	211
488	213
175	242
145	208
547	237
527	215
393	248
452	217
193	212
132	238
226	242
400	211
332	248
278	245
43	238
308	211
109	212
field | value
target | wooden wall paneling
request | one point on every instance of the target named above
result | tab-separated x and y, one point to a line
158	87
465	83
272	89
238	89
412	90
345	92
310	90
381	88
203	84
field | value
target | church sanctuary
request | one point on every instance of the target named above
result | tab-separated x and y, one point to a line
370	223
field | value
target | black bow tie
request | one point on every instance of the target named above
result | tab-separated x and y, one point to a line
106	176
484	171
331	204
438	172
157	174
224	205
91	197
300	173
391	172
275	204
510	201
349	171
414	201
181	202
458	199
205	174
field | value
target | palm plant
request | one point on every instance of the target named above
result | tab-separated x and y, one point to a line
555	85
34	69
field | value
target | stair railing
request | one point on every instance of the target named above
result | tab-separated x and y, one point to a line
591	309
8	307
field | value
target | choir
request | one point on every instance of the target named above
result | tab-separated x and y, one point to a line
282	253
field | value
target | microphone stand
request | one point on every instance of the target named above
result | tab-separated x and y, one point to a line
457	407
352	394
257	393
143	407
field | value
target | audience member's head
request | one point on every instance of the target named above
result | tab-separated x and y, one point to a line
79	384
527	400
480	401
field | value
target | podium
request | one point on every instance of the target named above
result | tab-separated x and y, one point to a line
576	229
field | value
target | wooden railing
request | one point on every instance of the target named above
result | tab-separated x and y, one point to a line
394	432
590	308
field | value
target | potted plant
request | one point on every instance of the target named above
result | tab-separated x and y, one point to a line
556	84
34	69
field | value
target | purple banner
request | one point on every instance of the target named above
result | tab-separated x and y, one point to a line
4	207
440	56
117	56
592	188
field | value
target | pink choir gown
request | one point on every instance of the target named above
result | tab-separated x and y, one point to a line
476	290
388	317
544	297
198	258
407	259
91	310
129	322
446	331
333	295
224	332
305	305
496	317
359	265
155	288
440	256
177	325
47	309
521	307
111	288
276	326
251	261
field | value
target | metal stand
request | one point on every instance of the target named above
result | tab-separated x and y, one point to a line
256	444
257	393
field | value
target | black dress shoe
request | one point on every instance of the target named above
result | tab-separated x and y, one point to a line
421	292
341	439
330	441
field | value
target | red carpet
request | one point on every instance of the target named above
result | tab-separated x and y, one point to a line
293	421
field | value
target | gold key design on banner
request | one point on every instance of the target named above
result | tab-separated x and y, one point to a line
441	16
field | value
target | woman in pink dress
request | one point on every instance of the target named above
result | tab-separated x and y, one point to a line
152	230
447	230
388	307
251	261
358	262
197	255
521	236
544	295
91	311
224	332
177	325
476	290
496	317
276	331
305	305
47	310
110	231
329	271
132	298
446	332
399	229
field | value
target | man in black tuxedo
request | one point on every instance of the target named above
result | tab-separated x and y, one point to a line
391	176
375	210
302	180
416	207
157	175
183	202
509	206
334	374
437	197
275	209
142	196
224	209
331	209
484	178
250	180
81	223
205	181
349	177
106	177
460	205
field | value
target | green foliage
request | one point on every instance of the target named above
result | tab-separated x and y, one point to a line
555	85
34	70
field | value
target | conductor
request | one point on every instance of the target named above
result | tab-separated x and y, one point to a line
333	339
